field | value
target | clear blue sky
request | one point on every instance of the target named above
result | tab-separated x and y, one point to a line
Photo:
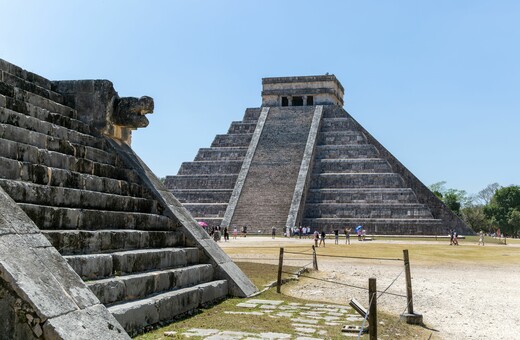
437	82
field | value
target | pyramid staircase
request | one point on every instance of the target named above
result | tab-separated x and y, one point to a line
95	209
205	185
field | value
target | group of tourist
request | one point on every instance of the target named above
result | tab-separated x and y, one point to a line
217	232
319	237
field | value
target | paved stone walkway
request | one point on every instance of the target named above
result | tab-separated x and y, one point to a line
308	320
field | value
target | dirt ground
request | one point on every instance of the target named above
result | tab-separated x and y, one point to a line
457	301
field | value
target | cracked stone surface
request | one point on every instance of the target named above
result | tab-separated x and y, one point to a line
309	321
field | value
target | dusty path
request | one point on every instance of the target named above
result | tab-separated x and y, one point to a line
457	301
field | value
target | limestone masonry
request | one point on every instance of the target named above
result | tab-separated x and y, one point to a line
301	159
92	245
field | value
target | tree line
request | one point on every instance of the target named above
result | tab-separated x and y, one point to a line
494	207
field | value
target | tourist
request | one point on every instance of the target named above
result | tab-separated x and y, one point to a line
481	238
347	235
244	231
216	234
322	239
336	236
455	241
226	234
235	233
273	232
316	237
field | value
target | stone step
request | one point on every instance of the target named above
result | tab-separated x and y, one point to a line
27	192
83	161
48	116
40	140
365	210
252	114
40	174
99	266
232	140
337	124
30	86
18	98
357	180
49	217
201	181
331	111
138	286
221	153
210	167
242	127
30	123
203	195
137	315
382	226
341	138
353	165
82	242
206	209
26	75
346	151
362	195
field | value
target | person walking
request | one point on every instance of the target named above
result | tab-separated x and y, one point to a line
322	239
347	235
481	238
226	234
273	232
316	237
336	236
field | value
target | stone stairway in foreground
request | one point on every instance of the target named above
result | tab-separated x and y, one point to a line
205	185
351	185
95	210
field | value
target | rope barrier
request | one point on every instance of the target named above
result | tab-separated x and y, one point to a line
267	258
362	258
297	253
384	291
345	284
365	319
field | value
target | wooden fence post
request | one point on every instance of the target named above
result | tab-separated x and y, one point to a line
410	317
372	309
314	258
280	266
409	295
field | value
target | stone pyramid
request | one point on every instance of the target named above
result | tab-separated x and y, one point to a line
301	159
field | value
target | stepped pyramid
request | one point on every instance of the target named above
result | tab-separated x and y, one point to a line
91	243
301	159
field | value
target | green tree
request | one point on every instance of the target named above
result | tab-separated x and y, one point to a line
504	209
485	195
474	217
452	201
453	198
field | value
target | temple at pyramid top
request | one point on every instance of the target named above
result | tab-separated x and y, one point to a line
301	160
302	91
